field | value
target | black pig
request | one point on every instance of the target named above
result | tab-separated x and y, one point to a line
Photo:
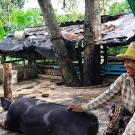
36	117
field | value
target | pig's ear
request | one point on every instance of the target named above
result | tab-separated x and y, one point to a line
5	103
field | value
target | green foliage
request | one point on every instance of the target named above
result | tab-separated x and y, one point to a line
18	3
69	18
71	6
114	8
2	32
104	6
21	19
13	18
18	19
6	8
116	50
119	8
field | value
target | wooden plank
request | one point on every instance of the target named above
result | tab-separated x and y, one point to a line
113	65
53	77
114	69
112	73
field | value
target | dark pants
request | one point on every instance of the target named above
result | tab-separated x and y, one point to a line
118	121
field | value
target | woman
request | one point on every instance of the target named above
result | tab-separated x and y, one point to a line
122	117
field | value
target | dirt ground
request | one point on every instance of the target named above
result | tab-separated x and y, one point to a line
48	90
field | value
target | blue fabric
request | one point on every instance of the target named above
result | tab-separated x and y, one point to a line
132	5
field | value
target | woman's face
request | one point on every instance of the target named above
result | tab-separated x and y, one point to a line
130	66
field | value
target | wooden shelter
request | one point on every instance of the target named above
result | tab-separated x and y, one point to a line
35	47
121	33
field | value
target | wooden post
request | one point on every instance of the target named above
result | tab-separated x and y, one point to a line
80	64
7	85
105	54
3	58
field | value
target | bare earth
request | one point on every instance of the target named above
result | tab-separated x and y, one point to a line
48	90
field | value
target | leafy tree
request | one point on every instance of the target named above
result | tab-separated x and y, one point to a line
104	4
108	7
4	4
69	18
119	8
71	6
18	3
6	8
59	47
2	32
117	50
21	19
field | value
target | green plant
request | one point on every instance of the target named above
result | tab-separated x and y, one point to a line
2	32
30	18
108	7
119	8
116	50
69	17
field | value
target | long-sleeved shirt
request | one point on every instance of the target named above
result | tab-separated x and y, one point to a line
126	87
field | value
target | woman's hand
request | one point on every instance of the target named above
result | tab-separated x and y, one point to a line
75	108
125	133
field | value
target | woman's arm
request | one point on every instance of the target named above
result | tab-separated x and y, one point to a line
130	128
107	95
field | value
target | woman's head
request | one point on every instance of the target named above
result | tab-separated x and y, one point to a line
129	59
130	66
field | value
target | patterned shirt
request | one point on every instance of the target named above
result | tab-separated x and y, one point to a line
124	85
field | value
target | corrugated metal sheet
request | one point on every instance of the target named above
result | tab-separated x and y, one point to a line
117	32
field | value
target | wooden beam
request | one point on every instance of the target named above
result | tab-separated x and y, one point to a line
7	78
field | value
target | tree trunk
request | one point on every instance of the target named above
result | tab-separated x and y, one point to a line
64	60
7	85
92	36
